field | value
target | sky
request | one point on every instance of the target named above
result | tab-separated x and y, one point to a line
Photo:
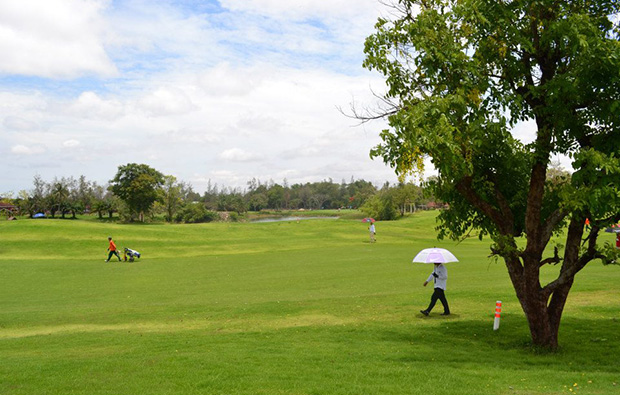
207	91
211	92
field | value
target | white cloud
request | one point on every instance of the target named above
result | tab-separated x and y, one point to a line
252	123
90	105
71	143
142	27
24	150
301	151
225	80
300	9
22	103
239	155
189	136
53	38
166	101
20	124
334	30
251	90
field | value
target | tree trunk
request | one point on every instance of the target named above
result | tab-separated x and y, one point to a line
544	334
544	319
543	315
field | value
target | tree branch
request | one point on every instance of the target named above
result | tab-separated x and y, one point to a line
555	259
504	224
572	263
383	111
552	221
504	207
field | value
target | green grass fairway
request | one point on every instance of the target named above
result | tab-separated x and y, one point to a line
308	307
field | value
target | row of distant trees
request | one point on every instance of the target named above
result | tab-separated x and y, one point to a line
64	197
138	191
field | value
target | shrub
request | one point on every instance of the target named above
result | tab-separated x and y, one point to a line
233	216
195	213
380	207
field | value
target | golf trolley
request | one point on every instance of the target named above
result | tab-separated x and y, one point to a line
132	254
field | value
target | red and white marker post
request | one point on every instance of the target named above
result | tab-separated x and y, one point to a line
498	312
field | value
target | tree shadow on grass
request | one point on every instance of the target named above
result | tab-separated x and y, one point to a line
590	344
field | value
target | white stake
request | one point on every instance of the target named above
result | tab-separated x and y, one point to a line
498	312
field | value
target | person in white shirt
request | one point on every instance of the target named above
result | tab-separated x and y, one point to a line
439	276
372	232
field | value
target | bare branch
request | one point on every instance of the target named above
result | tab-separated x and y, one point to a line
399	9
367	114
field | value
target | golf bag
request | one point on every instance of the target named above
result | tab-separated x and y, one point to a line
132	254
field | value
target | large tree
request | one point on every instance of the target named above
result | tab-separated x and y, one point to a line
461	74
138	185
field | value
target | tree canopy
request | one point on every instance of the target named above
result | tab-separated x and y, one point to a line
138	186
461	74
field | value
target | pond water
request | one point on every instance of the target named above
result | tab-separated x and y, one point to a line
285	219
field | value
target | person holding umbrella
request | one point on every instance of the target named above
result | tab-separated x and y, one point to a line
373	232
439	276
371	228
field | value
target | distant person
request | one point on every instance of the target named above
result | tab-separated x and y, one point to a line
439	276
112	249
617	240
372	231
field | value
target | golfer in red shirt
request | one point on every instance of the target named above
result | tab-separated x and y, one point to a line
112	249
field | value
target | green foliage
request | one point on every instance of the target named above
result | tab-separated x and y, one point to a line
461	74
406	196
109	204
380	207
138	186
173	195
257	201
455	68
231	202
195	213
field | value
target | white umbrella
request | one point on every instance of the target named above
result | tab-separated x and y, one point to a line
435	255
